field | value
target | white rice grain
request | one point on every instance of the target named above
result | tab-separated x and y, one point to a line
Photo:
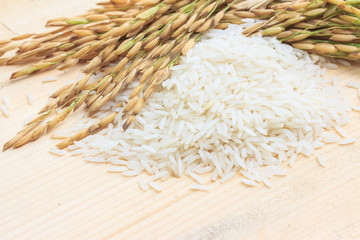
143	185
356	108
72	147
49	79
249	182
351	84
347	141
196	177
60	134
28	119
199	187
131	173
30	98
318	145
331	138
56	151
155	186
117	169
321	160
341	131
76	152
95	159
6	101
5	110
159	175
214	176
227	177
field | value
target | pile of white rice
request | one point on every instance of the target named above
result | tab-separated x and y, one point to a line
234	107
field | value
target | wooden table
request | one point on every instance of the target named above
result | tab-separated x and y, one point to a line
47	197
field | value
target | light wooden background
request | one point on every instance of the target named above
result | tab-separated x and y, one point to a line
48	197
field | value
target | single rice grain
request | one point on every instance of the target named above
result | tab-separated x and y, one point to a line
5	110
56	151
143	185
6	101
30	98
49	79
341	131
321	160
351	84
199	187
249	182
155	186
347	141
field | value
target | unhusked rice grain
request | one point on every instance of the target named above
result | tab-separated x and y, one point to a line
235	106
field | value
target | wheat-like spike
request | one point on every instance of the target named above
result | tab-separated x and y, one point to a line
97	101
88	131
19	136
69	62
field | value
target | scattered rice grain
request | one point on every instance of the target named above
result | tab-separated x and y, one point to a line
49	79
28	119
5	110
143	184
199	187
356	108
6	101
321	160
355	85
30	98
155	186
347	141
249	182
56	151
341	131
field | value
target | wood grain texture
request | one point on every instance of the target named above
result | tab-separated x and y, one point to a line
47	197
